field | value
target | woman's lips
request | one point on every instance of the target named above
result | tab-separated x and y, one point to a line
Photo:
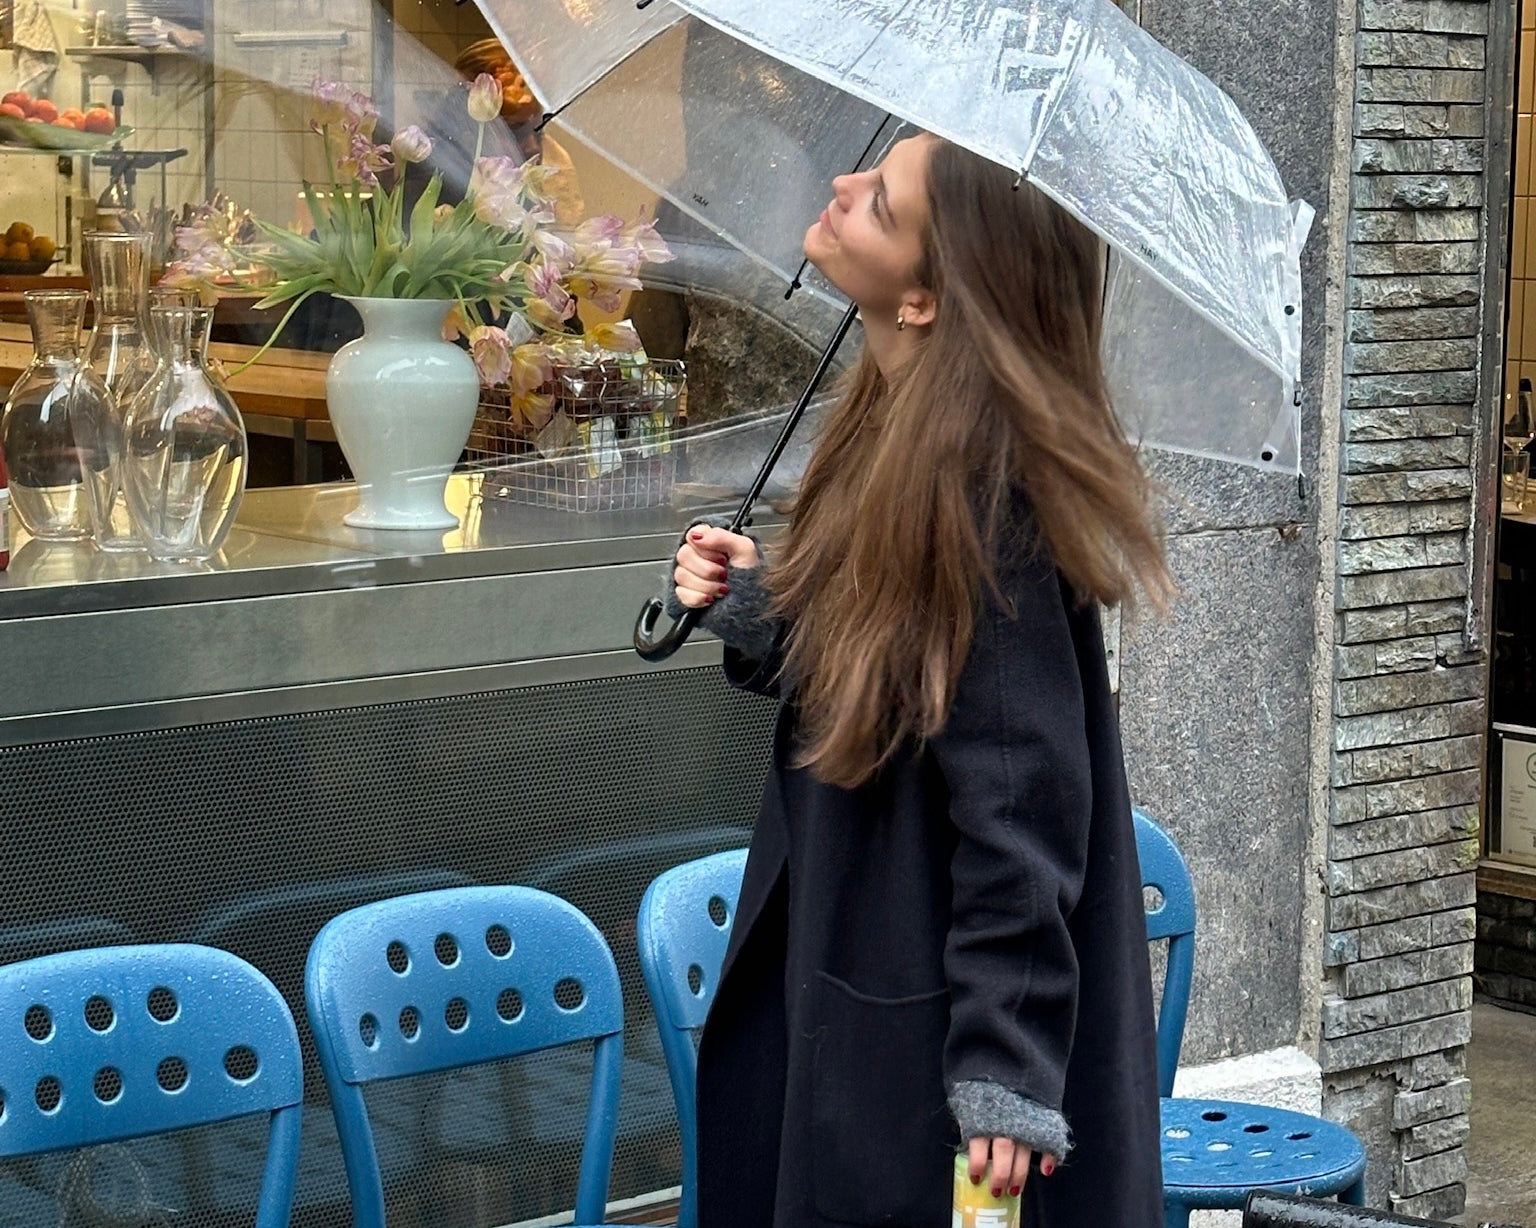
826	221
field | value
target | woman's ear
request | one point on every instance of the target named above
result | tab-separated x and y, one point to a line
919	307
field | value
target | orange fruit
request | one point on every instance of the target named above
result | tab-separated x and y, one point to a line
11	111
100	121
19	232
42	248
44	110
18	98
18	251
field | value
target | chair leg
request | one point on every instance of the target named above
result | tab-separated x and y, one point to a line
1355	1195
1175	1214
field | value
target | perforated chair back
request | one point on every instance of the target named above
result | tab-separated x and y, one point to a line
684	927
103	1045
1171	916
452	978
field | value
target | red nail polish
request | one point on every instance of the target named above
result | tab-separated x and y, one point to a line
724	589
1014	1190
975	1180
694	537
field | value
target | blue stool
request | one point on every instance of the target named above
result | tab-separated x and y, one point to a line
683	929
1216	1152
461	977
117	1043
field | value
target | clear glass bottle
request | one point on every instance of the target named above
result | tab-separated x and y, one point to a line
55	395
121	351
185	445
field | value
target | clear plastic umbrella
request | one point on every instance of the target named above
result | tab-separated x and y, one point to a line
742	130
740	112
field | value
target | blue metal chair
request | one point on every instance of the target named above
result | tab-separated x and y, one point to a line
106	1045
445	979
683	929
1215	1152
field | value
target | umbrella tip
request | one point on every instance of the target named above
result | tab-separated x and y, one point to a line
1018	181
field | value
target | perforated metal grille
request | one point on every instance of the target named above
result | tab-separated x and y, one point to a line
251	835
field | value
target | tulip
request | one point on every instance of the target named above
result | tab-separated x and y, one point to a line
492	354
411	144
327	103
364	160
620	338
484	99
362	115
531	368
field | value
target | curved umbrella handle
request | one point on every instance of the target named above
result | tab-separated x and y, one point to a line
647	645
652	649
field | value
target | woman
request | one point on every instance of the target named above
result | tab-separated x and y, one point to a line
940	940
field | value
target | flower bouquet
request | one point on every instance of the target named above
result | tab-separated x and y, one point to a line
493	269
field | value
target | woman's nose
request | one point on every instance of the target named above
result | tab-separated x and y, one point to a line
842	190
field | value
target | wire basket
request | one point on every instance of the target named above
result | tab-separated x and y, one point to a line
609	444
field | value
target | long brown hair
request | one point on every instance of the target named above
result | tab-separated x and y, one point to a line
906	500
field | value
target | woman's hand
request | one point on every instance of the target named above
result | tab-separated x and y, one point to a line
702	561
1010	1164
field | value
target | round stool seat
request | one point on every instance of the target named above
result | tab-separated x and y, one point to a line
1216	1151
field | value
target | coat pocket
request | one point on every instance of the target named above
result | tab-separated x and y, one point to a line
882	1138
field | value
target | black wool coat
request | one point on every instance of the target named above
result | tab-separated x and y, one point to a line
972	913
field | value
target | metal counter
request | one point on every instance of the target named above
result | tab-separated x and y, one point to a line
301	610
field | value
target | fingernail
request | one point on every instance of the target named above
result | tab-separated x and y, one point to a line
1014	1190
724	589
975	1180
1047	1169
997	1191
694	537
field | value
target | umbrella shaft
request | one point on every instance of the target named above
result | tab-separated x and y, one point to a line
744	512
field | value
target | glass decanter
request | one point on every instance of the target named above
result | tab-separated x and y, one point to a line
185	446
50	421
121	352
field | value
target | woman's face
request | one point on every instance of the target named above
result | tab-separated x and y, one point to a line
868	242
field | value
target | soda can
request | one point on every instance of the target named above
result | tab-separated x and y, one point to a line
974	1205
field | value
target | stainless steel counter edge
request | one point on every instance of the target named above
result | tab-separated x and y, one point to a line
89	662
192	585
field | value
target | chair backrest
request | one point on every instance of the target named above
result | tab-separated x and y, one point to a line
114	1043
683	929
1170	915
444	979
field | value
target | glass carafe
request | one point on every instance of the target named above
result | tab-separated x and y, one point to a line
185	445
50	419
121	351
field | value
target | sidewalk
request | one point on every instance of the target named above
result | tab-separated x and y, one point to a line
1501	1153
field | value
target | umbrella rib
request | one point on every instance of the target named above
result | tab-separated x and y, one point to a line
794	282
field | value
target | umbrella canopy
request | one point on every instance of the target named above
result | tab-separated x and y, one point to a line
741	112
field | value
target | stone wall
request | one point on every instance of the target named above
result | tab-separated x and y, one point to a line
1408	702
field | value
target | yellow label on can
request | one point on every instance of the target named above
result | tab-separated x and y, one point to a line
974	1205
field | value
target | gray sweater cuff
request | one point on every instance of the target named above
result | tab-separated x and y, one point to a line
990	1110
740	618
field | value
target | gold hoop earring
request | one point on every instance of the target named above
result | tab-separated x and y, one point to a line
901	320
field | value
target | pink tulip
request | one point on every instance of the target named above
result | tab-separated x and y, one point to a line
328	103
364	160
493	356
411	144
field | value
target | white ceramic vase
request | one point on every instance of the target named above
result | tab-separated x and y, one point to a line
402	401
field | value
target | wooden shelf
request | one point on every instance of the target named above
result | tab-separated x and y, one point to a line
147	58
